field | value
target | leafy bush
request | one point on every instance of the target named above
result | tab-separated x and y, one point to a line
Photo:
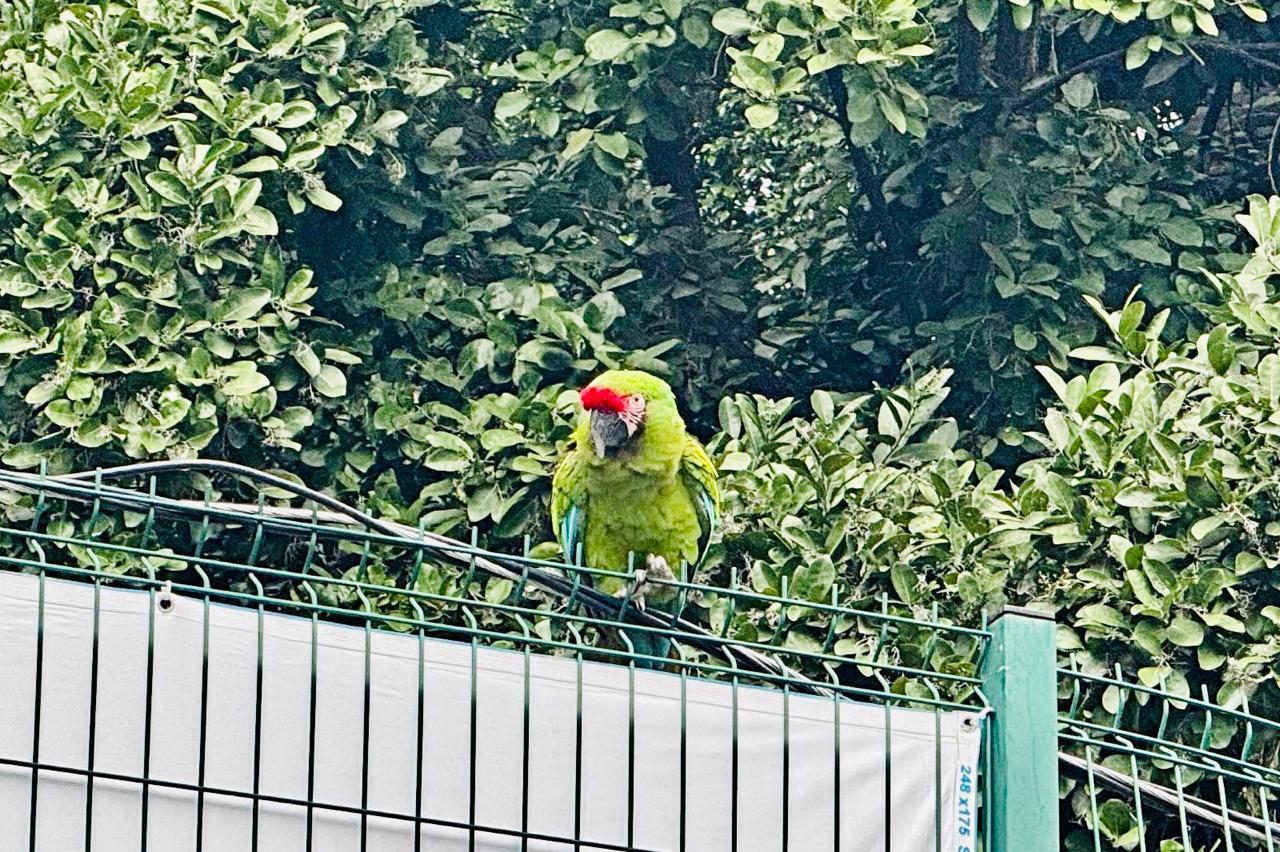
151	153
1148	521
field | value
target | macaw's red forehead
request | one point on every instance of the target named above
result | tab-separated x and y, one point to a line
602	399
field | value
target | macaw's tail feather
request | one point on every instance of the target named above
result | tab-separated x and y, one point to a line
650	648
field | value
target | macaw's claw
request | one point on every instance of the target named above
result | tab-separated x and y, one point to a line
638	590
656	568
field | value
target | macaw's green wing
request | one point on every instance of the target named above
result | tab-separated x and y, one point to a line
569	504
699	474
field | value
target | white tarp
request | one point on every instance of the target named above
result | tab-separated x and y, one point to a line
233	640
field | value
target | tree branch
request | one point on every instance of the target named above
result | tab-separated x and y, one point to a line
1221	92
862	167
968	57
1030	93
1241	52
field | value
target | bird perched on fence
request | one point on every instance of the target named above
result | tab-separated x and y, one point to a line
634	482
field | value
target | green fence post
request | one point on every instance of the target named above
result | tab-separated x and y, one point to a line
1020	681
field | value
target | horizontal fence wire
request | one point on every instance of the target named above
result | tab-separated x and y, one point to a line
327	565
1147	768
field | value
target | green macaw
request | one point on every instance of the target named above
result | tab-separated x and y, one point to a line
634	482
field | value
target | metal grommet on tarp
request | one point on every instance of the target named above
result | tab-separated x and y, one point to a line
166	600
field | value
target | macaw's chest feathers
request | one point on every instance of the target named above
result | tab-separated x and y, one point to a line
642	515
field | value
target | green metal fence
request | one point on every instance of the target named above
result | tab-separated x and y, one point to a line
1071	760
132	528
1147	768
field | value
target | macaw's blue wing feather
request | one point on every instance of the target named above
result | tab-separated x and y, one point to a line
571	532
699	474
568	504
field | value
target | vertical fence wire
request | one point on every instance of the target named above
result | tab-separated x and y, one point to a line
93	716
35	735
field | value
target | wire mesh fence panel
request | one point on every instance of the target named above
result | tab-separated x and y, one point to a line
211	675
1148	768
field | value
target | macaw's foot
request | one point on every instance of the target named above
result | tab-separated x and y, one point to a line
655	568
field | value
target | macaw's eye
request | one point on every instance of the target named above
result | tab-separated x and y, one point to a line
615	419
633	413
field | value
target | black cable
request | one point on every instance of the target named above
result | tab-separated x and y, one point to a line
602	605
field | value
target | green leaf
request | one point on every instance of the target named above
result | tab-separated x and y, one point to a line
324	31
575	142
498	589
307	359
754	75
261	222
1136	496
761	116
330	382
245	303
1220	349
511	104
823	405
733	21
1203	527
1205	22
258	164
1183	232
695	30
296	114
622	279
135	149
494	440
1078	91
167	186
1137	54
323	198
1043	217
1022	16
820	62
24	456
13	342
1117	821
214	8
1269	378
892	111
903	580
1097	353
1146	250
1130	318
813	580
488	223
1101	615
246	196
1184	632
245	383
606	45
613	144
270	138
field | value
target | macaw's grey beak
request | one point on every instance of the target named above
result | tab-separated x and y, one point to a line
608	432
